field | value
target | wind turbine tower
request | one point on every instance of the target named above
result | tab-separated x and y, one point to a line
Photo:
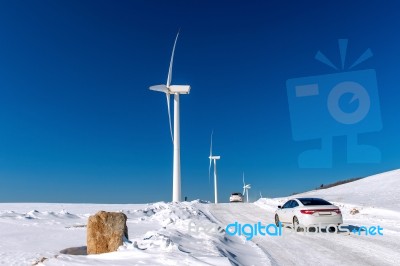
213	159
176	90
246	189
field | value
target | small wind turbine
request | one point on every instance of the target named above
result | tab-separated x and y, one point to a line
214	159
260	195
246	189
176	90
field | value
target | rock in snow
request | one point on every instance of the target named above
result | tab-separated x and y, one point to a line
106	232
354	211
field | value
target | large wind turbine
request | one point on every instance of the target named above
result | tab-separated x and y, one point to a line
246	189
214	159
176	90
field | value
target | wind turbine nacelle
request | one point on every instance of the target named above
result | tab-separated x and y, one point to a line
181	89
215	157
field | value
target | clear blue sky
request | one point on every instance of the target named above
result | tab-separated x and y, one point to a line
78	123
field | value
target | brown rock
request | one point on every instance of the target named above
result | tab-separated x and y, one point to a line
106	232
354	211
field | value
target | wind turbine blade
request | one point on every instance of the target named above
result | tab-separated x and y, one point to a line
209	172
169	78
244	184
244	191
169	115
161	88
212	132
209	168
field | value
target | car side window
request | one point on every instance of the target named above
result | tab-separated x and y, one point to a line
287	205
294	204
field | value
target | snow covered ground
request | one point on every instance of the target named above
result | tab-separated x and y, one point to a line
160	235
377	198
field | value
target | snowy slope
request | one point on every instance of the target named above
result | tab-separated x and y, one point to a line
381	190
158	233
316	249
377	199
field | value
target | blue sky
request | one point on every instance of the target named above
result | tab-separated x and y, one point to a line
78	123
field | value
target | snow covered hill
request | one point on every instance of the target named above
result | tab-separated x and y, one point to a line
381	190
376	198
160	233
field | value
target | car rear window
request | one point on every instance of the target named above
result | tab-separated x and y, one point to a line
236	194
313	202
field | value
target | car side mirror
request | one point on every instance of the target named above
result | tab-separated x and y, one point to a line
279	207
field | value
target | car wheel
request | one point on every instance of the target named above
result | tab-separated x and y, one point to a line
277	220
296	225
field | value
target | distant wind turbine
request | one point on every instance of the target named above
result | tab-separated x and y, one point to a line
176	90
213	159
260	195
246	189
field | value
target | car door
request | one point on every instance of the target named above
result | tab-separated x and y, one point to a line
285	212
291	211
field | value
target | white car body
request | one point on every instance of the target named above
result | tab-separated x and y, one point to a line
236	197
309	212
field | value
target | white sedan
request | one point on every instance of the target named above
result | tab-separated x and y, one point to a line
306	212
236	197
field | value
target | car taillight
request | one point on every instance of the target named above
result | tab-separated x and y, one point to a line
320	210
307	211
337	211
